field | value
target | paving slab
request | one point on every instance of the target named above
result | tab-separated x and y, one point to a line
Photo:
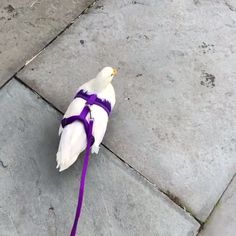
223	220
35	199
26	26
175	90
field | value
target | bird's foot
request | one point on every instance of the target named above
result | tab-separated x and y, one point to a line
95	149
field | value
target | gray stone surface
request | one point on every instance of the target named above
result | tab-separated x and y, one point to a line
36	200
223	220
26	26
176	107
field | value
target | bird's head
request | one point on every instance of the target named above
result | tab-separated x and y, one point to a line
106	74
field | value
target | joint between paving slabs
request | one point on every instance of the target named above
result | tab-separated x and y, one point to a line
166	193
37	94
60	33
7	81
50	42
215	206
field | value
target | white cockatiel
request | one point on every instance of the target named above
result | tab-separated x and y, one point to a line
73	137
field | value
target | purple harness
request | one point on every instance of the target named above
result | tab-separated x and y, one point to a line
88	127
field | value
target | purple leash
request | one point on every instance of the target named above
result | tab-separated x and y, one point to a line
82	181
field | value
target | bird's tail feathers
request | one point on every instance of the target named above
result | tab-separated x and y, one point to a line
64	162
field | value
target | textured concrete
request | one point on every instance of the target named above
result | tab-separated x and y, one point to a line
26	26
175	90
36	200
223	220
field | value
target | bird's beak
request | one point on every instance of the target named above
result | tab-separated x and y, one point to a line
114	72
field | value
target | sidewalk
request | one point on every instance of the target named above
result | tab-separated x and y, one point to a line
168	159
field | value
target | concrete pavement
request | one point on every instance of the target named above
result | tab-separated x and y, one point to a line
173	124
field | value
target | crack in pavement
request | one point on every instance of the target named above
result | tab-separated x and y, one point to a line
231	8
3	165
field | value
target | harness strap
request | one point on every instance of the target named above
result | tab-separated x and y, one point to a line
81	117
97	101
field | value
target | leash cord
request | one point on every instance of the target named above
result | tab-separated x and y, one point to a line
83	177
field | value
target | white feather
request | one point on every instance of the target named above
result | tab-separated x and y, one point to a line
73	137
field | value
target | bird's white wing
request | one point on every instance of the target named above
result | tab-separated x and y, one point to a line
73	137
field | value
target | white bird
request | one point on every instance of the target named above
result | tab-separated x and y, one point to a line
73	137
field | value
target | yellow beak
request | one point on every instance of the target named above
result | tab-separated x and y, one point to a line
114	72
